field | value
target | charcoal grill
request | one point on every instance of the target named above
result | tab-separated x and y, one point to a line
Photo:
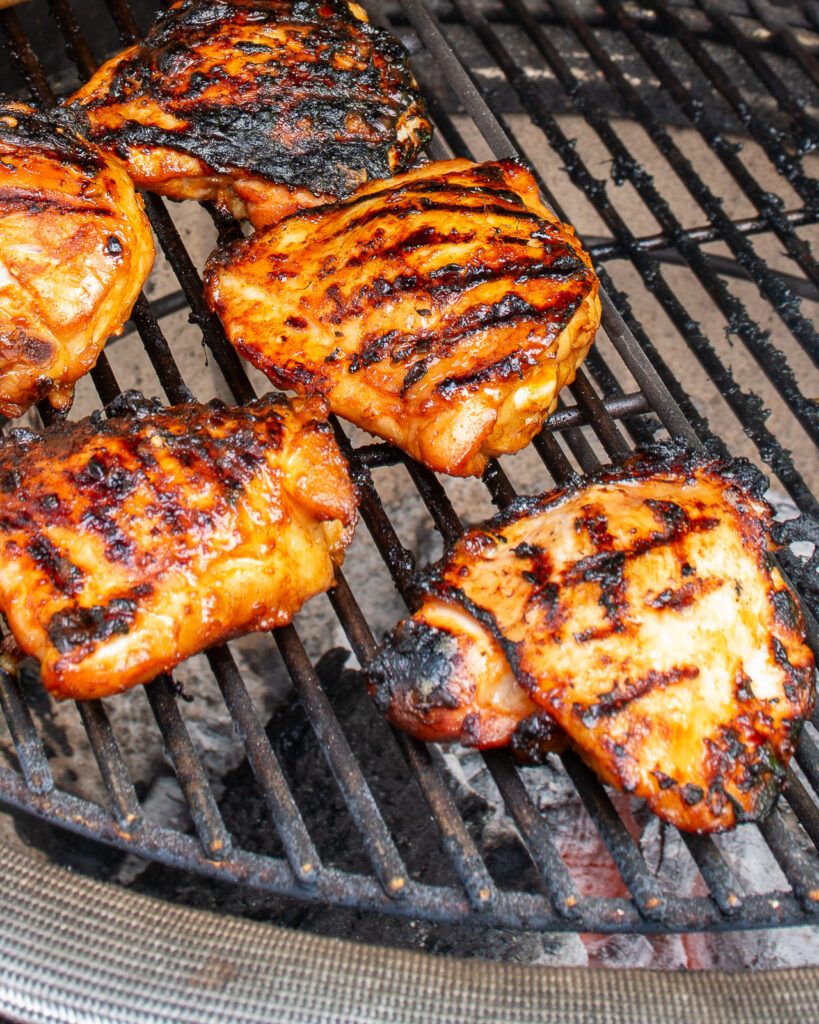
500	79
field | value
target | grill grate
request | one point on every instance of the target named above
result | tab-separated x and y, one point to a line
607	416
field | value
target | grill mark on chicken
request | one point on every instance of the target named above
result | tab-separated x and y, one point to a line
299	92
628	690
449	282
60	571
86	627
509	311
31	201
691	694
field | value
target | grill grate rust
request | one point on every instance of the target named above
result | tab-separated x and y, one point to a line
605	417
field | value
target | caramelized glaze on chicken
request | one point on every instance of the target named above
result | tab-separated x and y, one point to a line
75	249
442	309
266	106
128	544
641	611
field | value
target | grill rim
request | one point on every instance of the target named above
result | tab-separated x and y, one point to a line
480	902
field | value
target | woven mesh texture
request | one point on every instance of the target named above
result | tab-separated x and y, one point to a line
75	950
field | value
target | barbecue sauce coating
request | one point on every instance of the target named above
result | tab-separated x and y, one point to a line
266	106
442	309
640	609
75	249
129	544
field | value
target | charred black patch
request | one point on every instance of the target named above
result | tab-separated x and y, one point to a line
743	687
113	246
372	351
664	781
415	664
320	123
785	608
10	481
54	133
691	794
82	627
537	736
593	521
527	551
65	577
678	599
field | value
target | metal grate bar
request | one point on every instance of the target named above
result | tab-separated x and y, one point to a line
599	417
299	849
773	289
783	33
643	887
27	744
803	806
188	768
23	58
786	102
772	361
377	840
457	842
536	837
119	787
796	865
807	757
762	131
717	874
605	249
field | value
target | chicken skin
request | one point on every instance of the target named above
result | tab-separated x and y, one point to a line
641	611
75	250
129	544
442	309
266	106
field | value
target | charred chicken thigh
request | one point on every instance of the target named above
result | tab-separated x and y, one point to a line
442	309
75	249
640	611
265	106
128	544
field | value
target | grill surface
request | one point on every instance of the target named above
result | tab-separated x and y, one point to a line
495	77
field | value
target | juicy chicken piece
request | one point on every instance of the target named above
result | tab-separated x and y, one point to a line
129	544
75	249
266	106
641	610
442	309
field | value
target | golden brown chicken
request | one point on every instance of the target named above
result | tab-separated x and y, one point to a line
442	309
75	249
266	106
128	544
640	610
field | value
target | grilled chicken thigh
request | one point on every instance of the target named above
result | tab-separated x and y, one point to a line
75	249
442	309
639	610
128	544
266	106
